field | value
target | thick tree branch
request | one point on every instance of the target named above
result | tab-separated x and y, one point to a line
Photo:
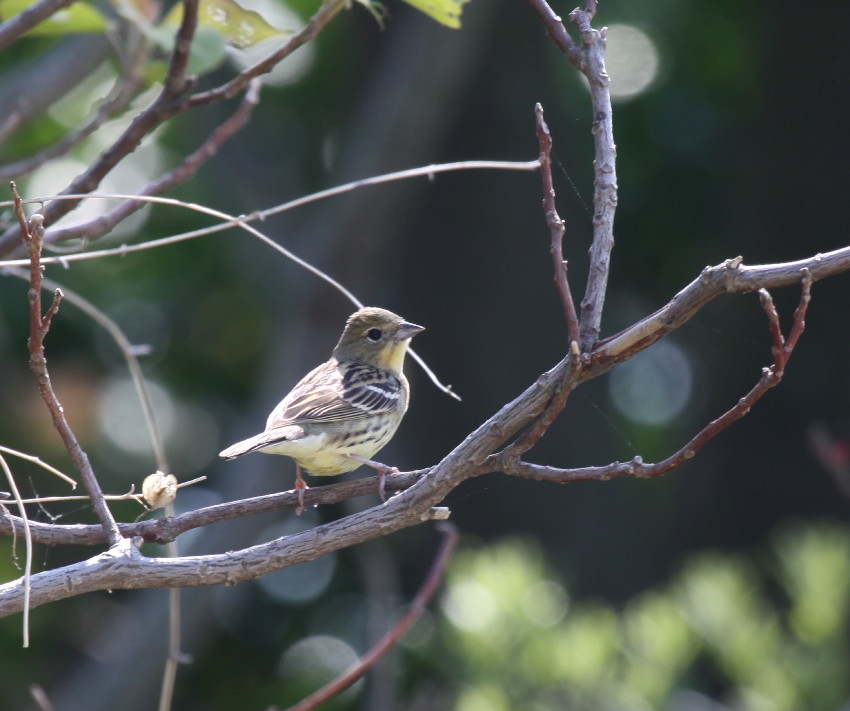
470	458
117	569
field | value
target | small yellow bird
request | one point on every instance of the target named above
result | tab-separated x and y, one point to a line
340	414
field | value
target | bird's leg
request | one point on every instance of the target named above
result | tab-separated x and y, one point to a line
382	470
300	487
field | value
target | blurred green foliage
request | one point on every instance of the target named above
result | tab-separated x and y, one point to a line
764	631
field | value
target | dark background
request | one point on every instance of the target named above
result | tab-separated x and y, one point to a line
739	148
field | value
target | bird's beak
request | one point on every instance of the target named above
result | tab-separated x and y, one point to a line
407	330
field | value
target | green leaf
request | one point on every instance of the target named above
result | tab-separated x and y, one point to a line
75	19
446	12
239	26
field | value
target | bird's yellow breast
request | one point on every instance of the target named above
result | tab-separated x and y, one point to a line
391	356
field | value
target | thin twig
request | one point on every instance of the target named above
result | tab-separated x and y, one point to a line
388	641
39	326
39	696
99	226
35	460
122	93
28	18
133	366
798	324
167	528
175	655
129	496
556	228
175	83
172	101
28	542
237	221
231	221
589	59
557	32
769	308
771	376
328	10
833	454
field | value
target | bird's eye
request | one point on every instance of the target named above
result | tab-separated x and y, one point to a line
374	334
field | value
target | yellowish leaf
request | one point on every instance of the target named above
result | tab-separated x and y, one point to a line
77	18
239	26
446	12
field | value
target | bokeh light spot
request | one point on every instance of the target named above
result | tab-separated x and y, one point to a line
470	606
545	603
317	660
121	419
653	387
632	61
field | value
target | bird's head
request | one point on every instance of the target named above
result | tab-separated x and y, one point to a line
377	337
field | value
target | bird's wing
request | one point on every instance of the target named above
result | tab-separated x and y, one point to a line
335	392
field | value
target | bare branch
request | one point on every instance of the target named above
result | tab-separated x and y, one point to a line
589	59
24	21
605	174
231	221
833	455
120	568
44	465
175	83
557	32
328	10
771	376
389	640
556	228
167	528
729	277
472	457
172	101
39	326
637	468
123	91
25	579
224	132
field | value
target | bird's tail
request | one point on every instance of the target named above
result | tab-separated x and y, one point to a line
243	447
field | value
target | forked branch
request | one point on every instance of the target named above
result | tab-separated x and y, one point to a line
781	349
33	232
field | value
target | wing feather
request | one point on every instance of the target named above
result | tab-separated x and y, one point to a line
336	392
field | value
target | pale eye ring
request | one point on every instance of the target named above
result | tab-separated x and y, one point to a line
374	334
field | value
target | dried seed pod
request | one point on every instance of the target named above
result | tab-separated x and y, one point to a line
159	489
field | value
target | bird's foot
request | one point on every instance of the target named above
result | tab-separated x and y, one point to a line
300	488
382	470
